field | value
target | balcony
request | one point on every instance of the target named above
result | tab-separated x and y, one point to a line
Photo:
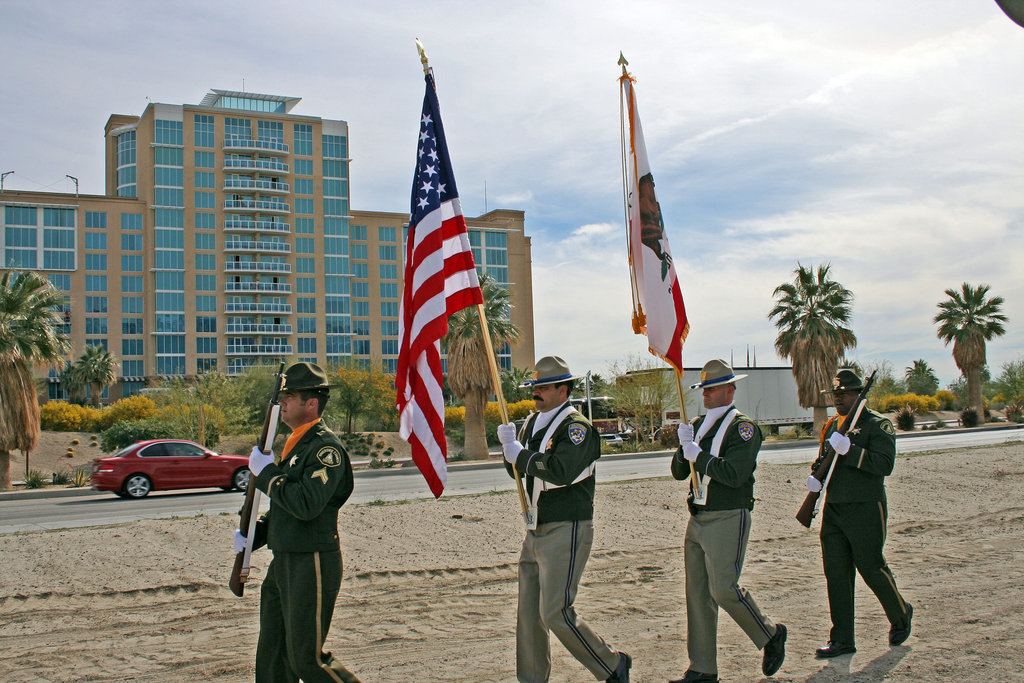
284	309
269	287
250	225
249	185
261	205
254	246
245	145
259	350
257	267
258	328
271	167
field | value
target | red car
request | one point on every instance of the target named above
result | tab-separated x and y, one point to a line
165	464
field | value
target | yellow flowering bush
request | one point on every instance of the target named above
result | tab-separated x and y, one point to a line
131	409
61	416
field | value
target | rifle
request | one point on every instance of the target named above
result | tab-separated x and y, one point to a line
247	515
823	472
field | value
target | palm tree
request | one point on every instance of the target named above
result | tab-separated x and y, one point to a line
97	369
969	320
29	337
812	314
469	371
921	379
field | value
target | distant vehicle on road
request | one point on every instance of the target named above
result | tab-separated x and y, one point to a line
612	439
167	464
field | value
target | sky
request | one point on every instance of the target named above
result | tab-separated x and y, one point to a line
884	138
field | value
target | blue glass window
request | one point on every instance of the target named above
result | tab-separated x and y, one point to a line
132	283
203	130
167	132
96	219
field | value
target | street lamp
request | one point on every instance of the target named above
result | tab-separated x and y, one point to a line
75	180
3	177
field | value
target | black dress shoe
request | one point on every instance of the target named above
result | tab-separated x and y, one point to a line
897	636
692	676
774	651
834	649
621	674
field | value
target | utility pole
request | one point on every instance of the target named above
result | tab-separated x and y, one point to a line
3	177
75	180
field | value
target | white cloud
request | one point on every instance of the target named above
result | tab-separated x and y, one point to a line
885	138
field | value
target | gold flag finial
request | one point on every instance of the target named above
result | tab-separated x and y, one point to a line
623	62
423	56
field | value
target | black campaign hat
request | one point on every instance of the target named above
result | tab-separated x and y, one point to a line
845	380
305	377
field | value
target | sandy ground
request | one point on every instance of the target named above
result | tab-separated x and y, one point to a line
430	588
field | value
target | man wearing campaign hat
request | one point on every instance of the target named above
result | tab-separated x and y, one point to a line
723	446
854	516
556	452
307	486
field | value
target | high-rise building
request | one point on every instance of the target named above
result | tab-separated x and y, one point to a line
225	239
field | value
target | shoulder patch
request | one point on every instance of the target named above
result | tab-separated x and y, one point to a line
329	456
887	427
746	431
577	433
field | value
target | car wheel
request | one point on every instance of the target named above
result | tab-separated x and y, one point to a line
240	479
137	486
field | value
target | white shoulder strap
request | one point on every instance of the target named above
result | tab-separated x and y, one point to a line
588	471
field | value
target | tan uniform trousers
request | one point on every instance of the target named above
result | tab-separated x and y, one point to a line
550	567
716	543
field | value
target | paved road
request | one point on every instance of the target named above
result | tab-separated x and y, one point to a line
73	508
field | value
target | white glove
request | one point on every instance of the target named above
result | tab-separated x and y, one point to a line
239	541
685	432
690	450
511	450
813	485
258	460
840	442
506	434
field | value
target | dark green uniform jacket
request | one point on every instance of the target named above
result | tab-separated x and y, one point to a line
573	446
732	472
306	489
859	476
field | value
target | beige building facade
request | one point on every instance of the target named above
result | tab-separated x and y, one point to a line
225	239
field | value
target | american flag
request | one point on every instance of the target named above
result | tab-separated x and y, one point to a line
440	279
658	309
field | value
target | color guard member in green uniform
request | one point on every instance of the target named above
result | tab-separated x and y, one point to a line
854	518
724	454
558	462
307	486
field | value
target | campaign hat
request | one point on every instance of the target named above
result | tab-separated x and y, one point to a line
550	370
716	372
305	377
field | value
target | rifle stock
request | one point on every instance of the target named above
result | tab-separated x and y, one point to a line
246	525
809	508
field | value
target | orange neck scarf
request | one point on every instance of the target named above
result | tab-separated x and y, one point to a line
841	418
294	437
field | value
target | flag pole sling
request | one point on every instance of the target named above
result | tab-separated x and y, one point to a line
682	411
496	379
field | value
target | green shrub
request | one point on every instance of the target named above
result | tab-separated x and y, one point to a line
122	434
60	478
131	409
60	416
1015	411
34	480
905	419
81	476
969	417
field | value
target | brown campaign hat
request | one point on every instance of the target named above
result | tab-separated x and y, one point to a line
716	372
304	377
550	370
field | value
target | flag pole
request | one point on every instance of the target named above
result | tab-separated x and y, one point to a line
682	411
485	332
496	380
